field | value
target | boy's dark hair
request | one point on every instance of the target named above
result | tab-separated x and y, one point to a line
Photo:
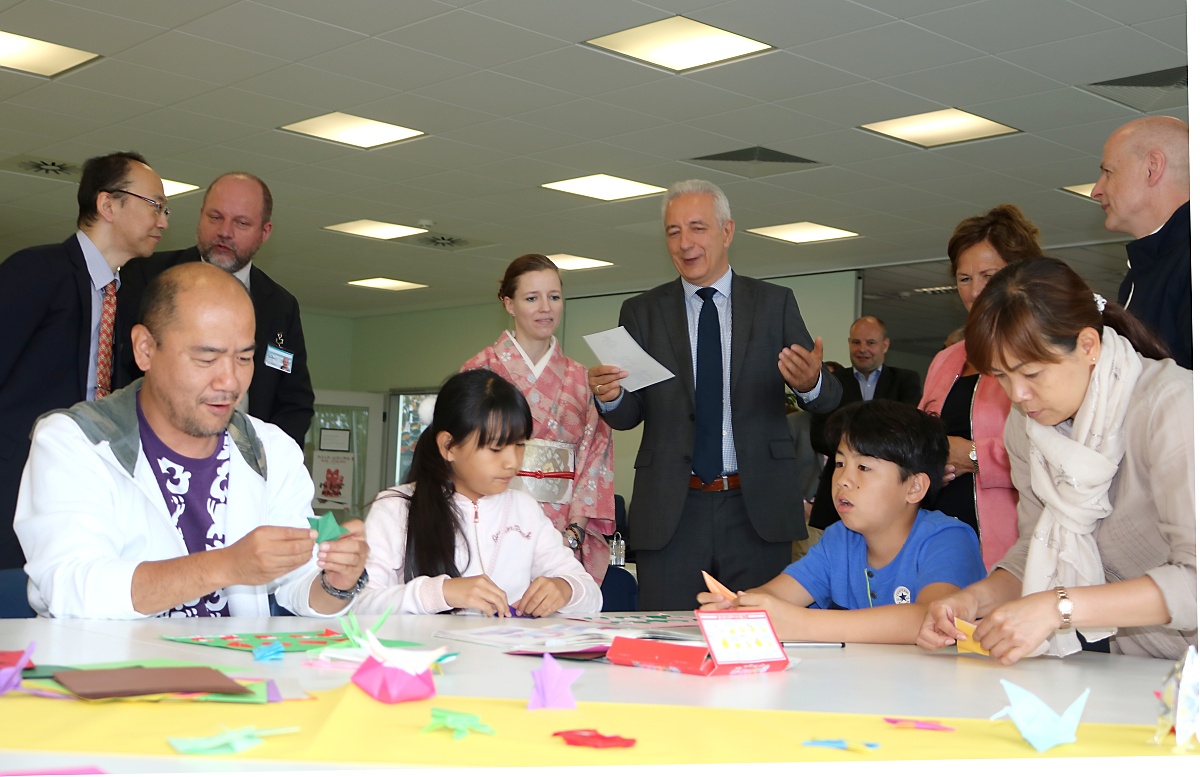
912	439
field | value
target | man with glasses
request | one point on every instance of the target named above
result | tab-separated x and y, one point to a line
57	310
235	220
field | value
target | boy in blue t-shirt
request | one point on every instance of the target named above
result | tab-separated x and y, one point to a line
870	576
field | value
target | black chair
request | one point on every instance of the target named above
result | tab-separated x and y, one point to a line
620	591
14	598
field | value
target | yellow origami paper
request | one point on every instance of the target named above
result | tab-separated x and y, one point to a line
970	644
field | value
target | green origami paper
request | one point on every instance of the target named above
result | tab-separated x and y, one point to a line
227	742
327	527
461	723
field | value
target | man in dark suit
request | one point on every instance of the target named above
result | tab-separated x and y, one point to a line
715	489
51	301
868	378
235	220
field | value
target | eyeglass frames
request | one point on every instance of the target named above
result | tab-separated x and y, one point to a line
159	207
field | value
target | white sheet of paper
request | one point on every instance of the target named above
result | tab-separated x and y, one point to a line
617	348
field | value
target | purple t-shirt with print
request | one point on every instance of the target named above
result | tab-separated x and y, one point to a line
196	492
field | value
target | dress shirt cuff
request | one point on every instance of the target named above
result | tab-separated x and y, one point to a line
807	396
606	407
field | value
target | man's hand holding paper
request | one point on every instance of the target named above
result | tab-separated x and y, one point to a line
637	369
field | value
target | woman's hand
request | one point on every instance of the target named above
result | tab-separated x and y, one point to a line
959	461
938	629
476	593
545	596
1015	629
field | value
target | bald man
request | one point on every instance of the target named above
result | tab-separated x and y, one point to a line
1144	190
163	499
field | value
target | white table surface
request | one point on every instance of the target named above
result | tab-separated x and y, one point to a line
885	680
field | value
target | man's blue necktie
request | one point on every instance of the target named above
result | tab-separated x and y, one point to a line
710	381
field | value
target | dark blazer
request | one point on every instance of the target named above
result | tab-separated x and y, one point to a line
283	399
894	383
45	314
765	320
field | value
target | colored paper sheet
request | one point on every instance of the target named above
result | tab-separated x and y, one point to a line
327	527
970	644
334	733
56	771
715	587
227	742
632	620
141	681
10	676
293	642
9	658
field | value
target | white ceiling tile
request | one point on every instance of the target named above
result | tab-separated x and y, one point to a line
1056	174
1047	110
676	141
151	145
261	111
46	125
919	165
393	66
138	82
322	89
13	83
1101	56
1141	11
513	137
861	103
499	94
369	17
15	186
677	99
1086	138
526	171
972	82
445	153
474	39
64	99
256	27
195	57
221	158
581	70
431	116
289	146
76	27
1171	30
896	48
774	76
762	125
783	24
591	117
570	20
153	12
844	147
603	158
1003	25
194	126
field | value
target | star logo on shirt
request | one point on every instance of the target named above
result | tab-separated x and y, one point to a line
902	595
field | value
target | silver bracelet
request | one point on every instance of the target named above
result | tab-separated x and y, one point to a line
338	593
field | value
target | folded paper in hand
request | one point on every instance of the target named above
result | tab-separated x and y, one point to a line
615	347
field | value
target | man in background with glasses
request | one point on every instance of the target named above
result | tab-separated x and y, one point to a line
235	220
57	311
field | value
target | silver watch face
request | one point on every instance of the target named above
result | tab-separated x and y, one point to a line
572	542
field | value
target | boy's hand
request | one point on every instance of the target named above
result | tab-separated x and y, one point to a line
938	629
759	601
544	596
711	601
476	593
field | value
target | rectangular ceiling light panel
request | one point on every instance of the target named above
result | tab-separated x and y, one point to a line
380	230
939	128
802	232
679	44
352	130
604	187
387	284
38	57
571	262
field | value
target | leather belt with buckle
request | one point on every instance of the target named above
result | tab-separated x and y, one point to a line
723	483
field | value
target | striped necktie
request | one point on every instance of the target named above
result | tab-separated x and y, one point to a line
104	353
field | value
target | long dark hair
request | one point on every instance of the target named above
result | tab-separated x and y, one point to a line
473	404
1034	310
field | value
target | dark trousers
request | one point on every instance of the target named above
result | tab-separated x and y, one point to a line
714	535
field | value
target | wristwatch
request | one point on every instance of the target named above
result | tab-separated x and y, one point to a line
974	457
1065	607
339	593
574	535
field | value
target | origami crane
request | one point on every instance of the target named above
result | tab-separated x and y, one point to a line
327	527
10	676
1179	704
1041	726
461	723
227	742
393	675
552	686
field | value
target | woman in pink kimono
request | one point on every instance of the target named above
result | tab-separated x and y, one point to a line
568	464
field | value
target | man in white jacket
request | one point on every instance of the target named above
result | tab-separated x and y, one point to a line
162	499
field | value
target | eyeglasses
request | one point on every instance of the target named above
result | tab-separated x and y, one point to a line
159	207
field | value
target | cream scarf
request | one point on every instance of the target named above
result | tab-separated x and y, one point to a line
1071	468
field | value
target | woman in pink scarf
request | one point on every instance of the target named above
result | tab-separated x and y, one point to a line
570	456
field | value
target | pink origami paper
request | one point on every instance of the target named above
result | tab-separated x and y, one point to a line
391	685
552	686
10	676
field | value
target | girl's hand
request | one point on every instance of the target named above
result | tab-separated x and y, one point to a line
938	629
476	593
1015	629
545	596
711	601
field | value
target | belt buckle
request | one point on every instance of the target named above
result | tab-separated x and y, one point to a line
724	482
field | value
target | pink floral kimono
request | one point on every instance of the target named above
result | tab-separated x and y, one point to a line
566	418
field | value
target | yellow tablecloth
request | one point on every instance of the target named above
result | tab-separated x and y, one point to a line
346	725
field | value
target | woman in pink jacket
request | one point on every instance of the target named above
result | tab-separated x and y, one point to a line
977	488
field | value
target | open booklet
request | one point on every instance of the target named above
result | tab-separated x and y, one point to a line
563	638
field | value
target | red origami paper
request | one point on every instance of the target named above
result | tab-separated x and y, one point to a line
391	685
590	737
